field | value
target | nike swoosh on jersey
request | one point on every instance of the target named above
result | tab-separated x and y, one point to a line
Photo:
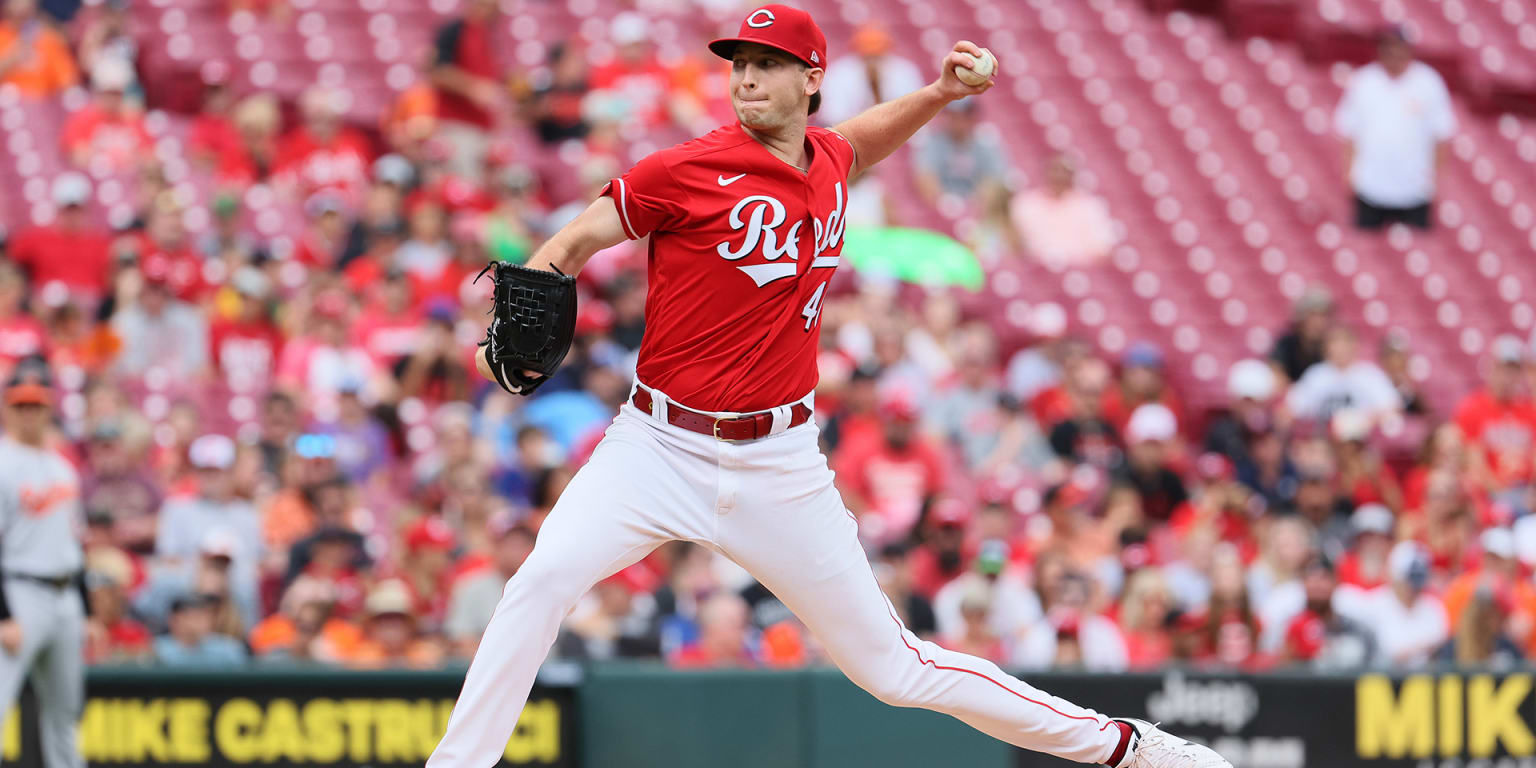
724	182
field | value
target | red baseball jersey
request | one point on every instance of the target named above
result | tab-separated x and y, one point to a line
742	247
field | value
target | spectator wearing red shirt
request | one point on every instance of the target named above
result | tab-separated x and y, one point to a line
1079	433
1364	565
425	567
71	251
886	482
469	98
164	247
323	153
725	637
1320	637
111	635
1146	612
245	348
21	335
1141	382
108	134
213	141
390	326
1221	502
636	84
327	357
943	555
1226	633
325	231
1500	417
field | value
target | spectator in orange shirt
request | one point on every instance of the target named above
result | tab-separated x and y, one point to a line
390	636
34	57
305	628
109	132
1498	573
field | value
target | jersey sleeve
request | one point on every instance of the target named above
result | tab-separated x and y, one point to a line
649	198
841	149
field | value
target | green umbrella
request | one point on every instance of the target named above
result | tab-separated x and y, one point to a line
913	255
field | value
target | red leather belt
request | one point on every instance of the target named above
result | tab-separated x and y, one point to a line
730	429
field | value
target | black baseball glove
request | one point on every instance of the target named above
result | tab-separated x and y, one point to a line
533	323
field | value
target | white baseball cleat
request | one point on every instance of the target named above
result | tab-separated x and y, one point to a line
1152	747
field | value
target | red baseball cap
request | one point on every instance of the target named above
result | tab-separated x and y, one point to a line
790	30
429	533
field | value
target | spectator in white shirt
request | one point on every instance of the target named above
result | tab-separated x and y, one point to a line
872	75
1011	607
1071	635
1343	380
1395	118
1409	623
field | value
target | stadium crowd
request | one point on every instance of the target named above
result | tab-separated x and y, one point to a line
286	457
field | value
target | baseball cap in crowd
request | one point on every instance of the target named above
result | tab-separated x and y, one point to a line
212	451
1350	424
218	543
111	73
1508	349
1213	467
188	601
1143	354
1372	518
71	188
394	169
790	30
429	533
898	404
390	597
30	384
323	202
1498	542
1151	422
992	556
949	513
1409	563
1251	380
629	28
1315	299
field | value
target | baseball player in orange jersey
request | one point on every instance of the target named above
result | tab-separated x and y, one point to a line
717	445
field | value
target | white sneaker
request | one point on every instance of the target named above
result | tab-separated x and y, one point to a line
1152	747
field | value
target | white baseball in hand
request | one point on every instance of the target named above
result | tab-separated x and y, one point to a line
979	70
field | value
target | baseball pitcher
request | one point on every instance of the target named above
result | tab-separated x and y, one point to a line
717	445
42	610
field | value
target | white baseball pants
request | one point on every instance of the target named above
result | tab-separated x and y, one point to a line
770	506
52	653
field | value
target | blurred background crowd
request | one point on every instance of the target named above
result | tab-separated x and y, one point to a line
259	312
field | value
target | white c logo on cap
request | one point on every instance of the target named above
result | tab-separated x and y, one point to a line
755	24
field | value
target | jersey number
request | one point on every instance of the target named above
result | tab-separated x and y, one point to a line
813	307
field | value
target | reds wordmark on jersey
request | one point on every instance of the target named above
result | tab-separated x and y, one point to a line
742	247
